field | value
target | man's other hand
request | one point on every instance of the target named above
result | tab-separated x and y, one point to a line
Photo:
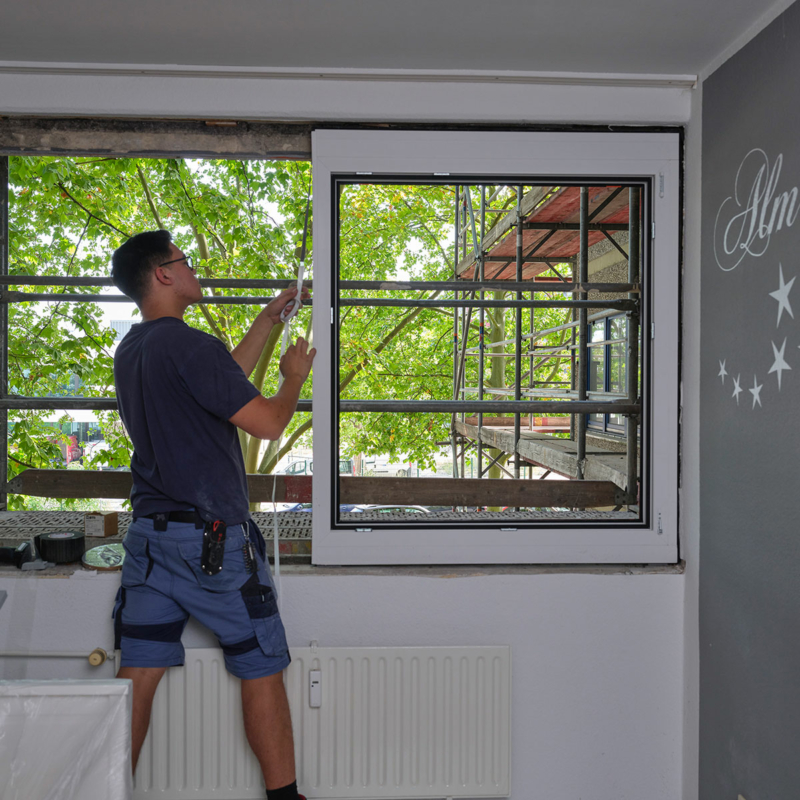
275	308
297	360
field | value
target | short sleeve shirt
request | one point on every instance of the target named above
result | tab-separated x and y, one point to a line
177	387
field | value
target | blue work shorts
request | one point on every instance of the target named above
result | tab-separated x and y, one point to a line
162	584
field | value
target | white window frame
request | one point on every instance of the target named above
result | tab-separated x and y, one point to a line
634	155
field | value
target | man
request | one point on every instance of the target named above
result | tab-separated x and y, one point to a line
192	548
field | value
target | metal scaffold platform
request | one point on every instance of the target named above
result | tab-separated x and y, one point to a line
541	244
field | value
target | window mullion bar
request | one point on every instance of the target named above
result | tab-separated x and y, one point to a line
634	256
3	332
518	338
583	328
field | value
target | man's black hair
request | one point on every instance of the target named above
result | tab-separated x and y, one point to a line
133	262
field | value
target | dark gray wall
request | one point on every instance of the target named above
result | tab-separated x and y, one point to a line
750	452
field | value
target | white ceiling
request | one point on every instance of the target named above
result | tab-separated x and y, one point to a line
615	36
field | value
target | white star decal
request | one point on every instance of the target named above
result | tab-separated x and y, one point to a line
737	389
782	295
779	365
756	391
722	371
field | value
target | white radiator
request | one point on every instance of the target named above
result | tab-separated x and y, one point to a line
394	722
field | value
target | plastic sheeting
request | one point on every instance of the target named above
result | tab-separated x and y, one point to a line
61	740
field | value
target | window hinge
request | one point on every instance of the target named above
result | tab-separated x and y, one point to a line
653	231
363	530
441	174
660	529
363	173
331	316
660	184
652	330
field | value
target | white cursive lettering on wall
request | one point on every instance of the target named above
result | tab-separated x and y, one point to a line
746	221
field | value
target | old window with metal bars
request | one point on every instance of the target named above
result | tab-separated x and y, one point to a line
60	218
509	302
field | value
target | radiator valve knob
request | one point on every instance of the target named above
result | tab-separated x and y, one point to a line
98	656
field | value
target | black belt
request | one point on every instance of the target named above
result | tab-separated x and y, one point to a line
161	518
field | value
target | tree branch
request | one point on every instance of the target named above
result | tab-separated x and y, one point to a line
90	213
439	247
202	246
384	342
216	238
21	463
266	468
149	196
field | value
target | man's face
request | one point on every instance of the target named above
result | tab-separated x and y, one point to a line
185	280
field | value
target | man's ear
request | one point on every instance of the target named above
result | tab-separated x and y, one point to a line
163	276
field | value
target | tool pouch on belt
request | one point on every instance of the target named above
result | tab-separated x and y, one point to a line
213	547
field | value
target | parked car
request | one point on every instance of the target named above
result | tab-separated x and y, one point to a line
305	466
344	508
398	509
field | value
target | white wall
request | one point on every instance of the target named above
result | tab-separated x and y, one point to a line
599	661
597	680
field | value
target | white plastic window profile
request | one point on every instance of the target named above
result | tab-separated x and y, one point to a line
654	159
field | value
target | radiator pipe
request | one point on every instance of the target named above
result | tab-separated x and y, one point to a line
97	657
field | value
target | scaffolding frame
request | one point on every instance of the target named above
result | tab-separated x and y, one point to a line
463	302
579	345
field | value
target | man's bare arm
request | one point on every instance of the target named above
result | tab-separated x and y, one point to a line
267	417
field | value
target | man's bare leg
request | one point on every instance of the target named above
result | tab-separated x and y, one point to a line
145	682
268	727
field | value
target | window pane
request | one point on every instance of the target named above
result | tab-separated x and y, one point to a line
597	359
616	363
402	341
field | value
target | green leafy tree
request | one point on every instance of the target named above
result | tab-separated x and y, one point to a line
238	219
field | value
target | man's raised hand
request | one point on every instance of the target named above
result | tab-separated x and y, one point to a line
284	302
297	360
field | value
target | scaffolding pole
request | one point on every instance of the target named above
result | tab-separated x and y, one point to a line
455	326
518	335
351	406
583	328
481	330
633	343
382	286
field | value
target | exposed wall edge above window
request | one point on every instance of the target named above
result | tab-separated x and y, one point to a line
155	138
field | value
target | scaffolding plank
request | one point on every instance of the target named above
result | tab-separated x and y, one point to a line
505	224
480	492
114	485
558	455
63	483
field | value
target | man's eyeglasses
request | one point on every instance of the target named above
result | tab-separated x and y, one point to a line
187	259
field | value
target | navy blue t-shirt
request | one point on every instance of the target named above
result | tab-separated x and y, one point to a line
177	387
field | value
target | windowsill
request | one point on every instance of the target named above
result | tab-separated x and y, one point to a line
411	571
